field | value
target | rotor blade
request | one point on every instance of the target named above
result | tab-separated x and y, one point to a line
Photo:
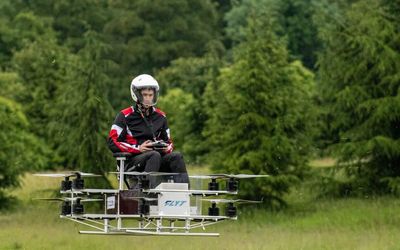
49	199
146	173
239	176
67	174
160	173
83	174
201	177
225	176
54	175
244	176
68	199
141	198
91	191
241	201
89	200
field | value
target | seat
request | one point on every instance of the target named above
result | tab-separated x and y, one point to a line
122	154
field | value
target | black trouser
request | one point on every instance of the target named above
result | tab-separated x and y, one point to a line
153	161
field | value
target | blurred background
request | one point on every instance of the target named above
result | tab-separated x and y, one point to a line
306	91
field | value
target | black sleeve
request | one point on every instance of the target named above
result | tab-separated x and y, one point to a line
166	136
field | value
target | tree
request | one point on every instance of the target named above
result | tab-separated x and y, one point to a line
11	86
294	21
19	30
39	66
42	67
179	107
360	83
260	114
222	7
69	19
81	128
190	75
147	36
154	33
20	150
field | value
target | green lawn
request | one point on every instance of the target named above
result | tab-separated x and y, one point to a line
306	224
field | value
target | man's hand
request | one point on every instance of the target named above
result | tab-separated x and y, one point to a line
146	146
165	150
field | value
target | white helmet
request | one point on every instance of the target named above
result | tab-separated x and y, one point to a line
144	81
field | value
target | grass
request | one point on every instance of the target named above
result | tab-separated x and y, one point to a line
372	223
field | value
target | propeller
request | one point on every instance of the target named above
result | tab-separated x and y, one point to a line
141	198
68	174
201	177
68	199
238	201
225	176
146	173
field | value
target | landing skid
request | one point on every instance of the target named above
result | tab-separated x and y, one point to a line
148	233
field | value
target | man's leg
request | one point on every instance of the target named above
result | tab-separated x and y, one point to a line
174	163
149	162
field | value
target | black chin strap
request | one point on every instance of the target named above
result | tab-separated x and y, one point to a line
148	125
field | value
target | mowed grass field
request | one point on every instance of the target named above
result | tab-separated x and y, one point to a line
370	223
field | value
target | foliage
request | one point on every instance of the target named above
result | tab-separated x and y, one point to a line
231	80
260	115
41	65
360	84
179	107
20	150
293	21
81	128
190	75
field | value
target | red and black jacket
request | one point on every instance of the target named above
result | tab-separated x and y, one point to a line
129	130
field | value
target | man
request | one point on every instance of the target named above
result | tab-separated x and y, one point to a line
136	130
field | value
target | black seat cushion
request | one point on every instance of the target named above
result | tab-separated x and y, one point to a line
122	154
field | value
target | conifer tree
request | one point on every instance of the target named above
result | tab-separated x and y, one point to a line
191	75
294	22
360	83
85	114
260	115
